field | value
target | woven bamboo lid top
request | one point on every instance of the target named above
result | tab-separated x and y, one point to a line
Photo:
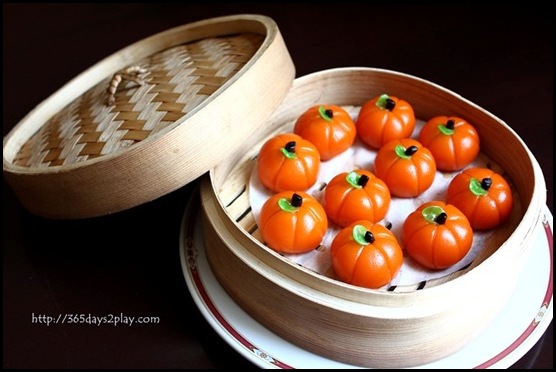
148	119
138	102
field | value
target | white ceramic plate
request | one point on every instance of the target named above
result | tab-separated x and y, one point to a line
510	336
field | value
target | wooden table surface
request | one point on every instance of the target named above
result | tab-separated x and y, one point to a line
128	263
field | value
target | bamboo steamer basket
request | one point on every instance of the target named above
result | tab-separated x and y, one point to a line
403	327
148	119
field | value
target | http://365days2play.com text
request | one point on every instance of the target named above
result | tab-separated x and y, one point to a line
119	319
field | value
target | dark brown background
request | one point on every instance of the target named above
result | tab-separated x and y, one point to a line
498	57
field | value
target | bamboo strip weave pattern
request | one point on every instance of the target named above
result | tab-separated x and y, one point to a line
176	81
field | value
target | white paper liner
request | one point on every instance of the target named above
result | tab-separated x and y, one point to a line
361	156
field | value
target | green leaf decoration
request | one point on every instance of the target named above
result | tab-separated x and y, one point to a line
445	130
322	112
358	232
400	151
353	179
286	205
431	212
288	154
381	101
476	188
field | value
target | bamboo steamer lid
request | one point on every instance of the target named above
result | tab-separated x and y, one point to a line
148	119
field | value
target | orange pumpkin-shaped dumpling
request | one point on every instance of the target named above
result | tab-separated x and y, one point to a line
437	235
288	162
292	222
356	195
406	166
383	119
483	195
328	127
453	142
366	255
